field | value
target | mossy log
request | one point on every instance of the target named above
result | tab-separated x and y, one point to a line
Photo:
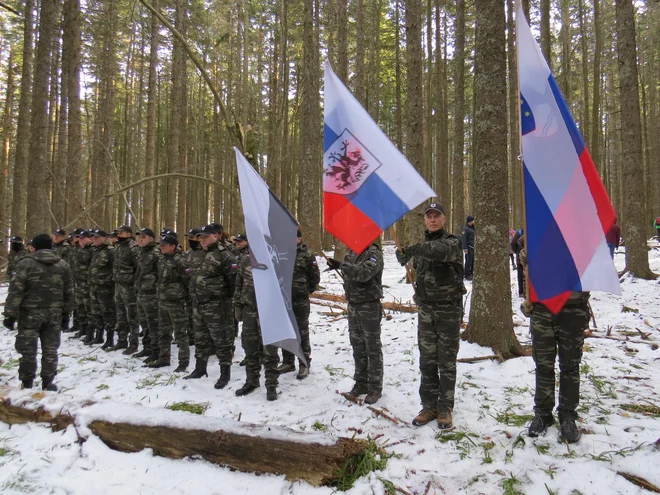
296	455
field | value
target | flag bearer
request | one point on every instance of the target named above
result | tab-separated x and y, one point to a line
439	293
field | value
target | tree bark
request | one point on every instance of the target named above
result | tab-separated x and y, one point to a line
148	216
19	196
596	126
7	135
491	319
442	185
634	210
38	197
458	211
546	34
515	165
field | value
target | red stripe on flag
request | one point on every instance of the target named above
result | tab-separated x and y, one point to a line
347	223
554	304
606	212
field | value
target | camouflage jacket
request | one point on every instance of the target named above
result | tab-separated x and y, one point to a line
146	273
306	274
244	294
229	246
194	260
363	275
100	269
42	281
243	252
438	261
125	261
173	277
63	250
217	275
12	260
80	261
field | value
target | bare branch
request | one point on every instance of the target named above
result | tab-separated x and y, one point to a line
7	7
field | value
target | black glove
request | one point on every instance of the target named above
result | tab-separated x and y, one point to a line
333	264
238	314
9	322
65	321
402	257
312	288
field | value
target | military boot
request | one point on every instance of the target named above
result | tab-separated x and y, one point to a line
89	336
182	368
99	337
82	331
121	344
73	328
445	420
303	372
198	372
568	430
271	392
143	353
153	356
28	383
358	389
48	384
109	341
225	375
130	349
540	425
286	368
159	363
246	389
426	415
372	397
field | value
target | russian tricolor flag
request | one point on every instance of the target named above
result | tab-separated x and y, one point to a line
367	182
568	209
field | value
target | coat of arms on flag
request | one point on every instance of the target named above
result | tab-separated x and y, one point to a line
347	164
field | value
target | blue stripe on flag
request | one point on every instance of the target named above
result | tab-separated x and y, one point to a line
578	142
329	137
527	122
551	266
376	200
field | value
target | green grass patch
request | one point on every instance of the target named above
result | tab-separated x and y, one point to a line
373	458
605	389
191	407
542	448
462	440
103	386
318	426
334	371
88	359
511	419
151	381
11	363
516	390
510	485
488	446
645	409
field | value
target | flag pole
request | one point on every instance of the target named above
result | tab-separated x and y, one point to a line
318	248
517	7
395	236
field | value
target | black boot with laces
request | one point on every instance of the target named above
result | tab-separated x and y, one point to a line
569	431
540	424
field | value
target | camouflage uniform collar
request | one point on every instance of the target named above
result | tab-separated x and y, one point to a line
438	234
213	247
302	247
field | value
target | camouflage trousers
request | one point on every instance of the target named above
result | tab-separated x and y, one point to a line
214	325
36	325
301	311
147	309
189	315
127	318
83	302
561	334
172	318
438	338
103	307
364	333
255	351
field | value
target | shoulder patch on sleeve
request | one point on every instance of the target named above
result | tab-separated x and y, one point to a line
372	259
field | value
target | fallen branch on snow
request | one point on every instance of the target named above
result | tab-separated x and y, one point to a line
654	345
479	358
383	414
641	482
392	306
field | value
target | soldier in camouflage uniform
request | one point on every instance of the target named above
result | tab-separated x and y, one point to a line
245	310
74	240
82	258
60	245
552	334
173	276
194	259
212	310
146	286
439	291
306	276
41	299
125	257
101	289
363	285
17	252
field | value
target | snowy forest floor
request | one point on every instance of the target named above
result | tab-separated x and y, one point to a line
487	452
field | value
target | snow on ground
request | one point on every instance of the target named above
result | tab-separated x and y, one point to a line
488	452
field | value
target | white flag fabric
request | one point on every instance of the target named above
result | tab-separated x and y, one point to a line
271	232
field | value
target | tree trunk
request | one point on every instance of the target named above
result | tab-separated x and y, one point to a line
19	197
148	216
566	51
7	135
632	180
585	122
72	60
442	186
546	34
60	163
491	322
458	211
359	55
596	126
38	197
515	164
180	69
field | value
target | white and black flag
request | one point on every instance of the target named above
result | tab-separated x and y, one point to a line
271	231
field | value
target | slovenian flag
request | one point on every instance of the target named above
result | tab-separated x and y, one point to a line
568	209
367	182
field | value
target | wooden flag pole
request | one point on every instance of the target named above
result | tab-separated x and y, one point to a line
409	274
318	248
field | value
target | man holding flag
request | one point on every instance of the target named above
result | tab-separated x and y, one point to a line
568	213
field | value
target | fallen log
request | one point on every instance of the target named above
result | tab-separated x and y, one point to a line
390	305
654	345
479	358
312	457
639	481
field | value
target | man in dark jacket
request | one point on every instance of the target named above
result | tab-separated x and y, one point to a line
194	259
102	291
41	300
363	286
173	276
517	244
613	237
125	258
306	276
61	246
17	252
146	280
439	293
468	247
81	260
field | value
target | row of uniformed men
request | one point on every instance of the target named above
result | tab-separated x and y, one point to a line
198	296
